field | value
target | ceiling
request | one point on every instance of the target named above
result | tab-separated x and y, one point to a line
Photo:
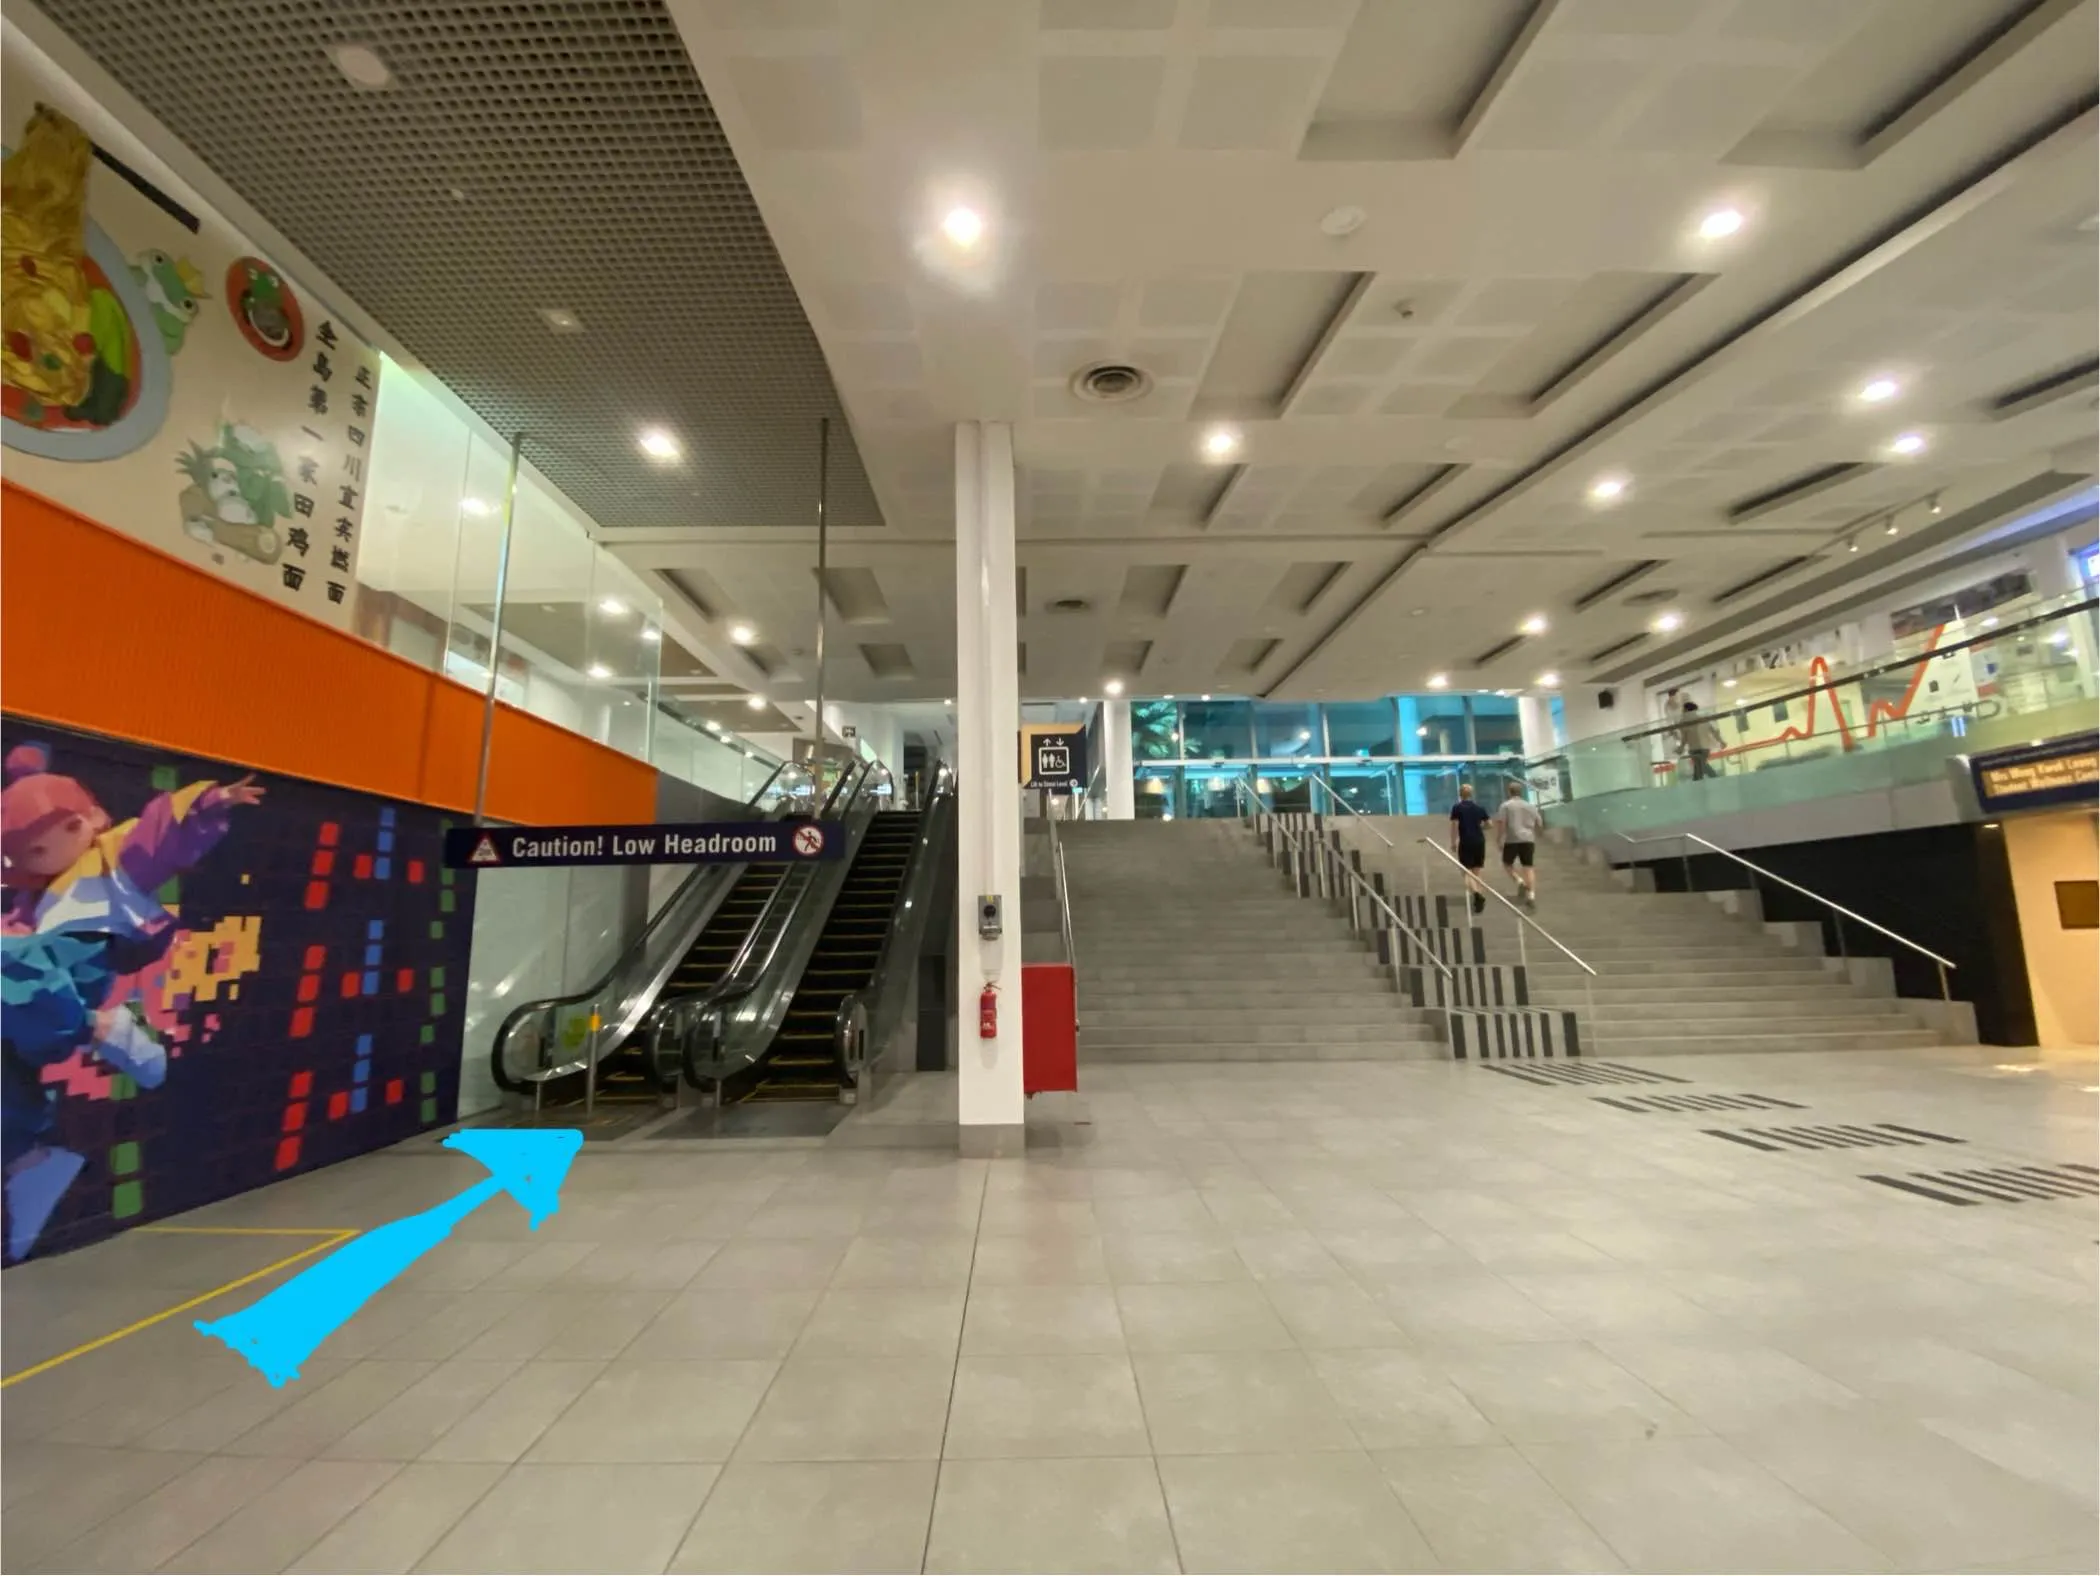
1421	405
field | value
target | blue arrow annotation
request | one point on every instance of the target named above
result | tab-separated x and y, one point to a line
280	1330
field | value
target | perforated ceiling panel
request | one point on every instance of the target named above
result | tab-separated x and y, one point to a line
526	157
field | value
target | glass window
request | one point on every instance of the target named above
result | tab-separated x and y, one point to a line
1157	796
1287	789
1362	728
1285	729
1155	730
1369	788
1434	725
1217	730
1496	730
1209	791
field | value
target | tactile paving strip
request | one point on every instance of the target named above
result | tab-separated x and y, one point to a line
1997	1184
1778	1140
1698	1102
1567	1073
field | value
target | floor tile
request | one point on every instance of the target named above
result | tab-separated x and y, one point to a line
1484	1508
330	1410
159	1526
783	1265
907	1261
570	1518
1394	1398
1544	1392
419	1416
1064	1405
1918	1497
1728	1387
726	1323
1452	1306
1148	1257
1331	1313
1331	1511
1696	1505
1237	1403
884	1321
403	1518
279	1525
852	1409
1223	1317
817	1516
1089	1515
1024	1320
516	1413
1057	1260
659	1411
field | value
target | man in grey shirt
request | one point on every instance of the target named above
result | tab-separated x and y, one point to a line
1517	827
1700	739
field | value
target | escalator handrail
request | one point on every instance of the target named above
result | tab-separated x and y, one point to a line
637	948
730	988
914	888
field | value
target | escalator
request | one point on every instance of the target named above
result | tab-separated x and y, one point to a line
716	947
803	1063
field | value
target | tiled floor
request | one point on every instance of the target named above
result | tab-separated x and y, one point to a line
1409	1317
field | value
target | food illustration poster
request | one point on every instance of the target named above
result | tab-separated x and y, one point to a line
209	979
162	377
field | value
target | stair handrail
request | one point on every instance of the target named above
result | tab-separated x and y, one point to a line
1064	909
730	987
516	1084
1285	831
1346	805
1843	913
1523	919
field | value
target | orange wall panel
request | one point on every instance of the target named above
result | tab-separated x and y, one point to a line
101	632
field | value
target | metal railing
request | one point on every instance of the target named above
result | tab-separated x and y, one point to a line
1524	922
1064	913
1346	805
1838	909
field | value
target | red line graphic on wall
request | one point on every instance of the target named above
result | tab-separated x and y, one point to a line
1878	711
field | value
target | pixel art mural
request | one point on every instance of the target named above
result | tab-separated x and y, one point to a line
211	980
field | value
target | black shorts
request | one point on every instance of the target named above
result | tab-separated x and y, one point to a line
1474	856
1517	854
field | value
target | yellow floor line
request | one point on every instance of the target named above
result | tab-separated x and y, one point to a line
251	1231
181	1307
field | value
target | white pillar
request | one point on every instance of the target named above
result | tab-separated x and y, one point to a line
1535	725
1118	776
990	1105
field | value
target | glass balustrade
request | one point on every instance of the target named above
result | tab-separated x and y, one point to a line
1976	685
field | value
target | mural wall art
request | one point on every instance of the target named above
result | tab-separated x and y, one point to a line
158	376
209	980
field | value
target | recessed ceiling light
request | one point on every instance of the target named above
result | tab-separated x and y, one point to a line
1112	687
1203	697
651	634
1851	547
1304	734
1991	622
561	320
1548	680
1534	625
476	506
1221	443
1439	680
742	634
361	66
963	226
1422	732
755	702
1934	508
1720	224
1338	222
713	726
1908	443
599	670
1606	488
1667	622
1166	697
659	444
1875	390
1890	528
612	607
1728	683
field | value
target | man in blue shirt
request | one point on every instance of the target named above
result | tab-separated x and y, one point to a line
1469	823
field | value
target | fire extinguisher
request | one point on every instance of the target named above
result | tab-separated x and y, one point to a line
988	1012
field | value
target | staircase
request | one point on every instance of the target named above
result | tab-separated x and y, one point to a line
801	1064
1677	972
1190	948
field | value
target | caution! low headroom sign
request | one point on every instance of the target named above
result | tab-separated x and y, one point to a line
688	843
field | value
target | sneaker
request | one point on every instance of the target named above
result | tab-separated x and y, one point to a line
1531	900
1479	903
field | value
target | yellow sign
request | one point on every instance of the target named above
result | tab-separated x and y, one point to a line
2050	776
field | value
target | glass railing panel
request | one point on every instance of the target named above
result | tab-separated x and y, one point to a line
1893	727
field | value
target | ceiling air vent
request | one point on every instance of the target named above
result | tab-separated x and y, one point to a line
1111	383
1493	652
2043	390
1625	577
1071	604
1652	598
1613	650
1795	490
1784	566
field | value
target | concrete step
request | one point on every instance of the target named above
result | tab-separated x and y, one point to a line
1379	1008
1605	1045
1788	997
1674	1026
1219	1051
1101	1031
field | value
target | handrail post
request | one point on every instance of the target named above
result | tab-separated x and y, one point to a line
1945	994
